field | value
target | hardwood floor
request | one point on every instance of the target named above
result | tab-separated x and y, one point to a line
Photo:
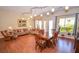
65	46
26	44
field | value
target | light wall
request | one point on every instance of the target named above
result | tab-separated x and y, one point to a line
9	18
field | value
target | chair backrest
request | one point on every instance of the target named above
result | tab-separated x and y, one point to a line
42	32
10	33
3	33
55	35
1	36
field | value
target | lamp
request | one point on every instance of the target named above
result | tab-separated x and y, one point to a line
66	8
31	16
28	18
47	13
35	15
41	14
53	9
10	28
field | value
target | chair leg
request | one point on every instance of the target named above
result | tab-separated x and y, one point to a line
36	47
41	49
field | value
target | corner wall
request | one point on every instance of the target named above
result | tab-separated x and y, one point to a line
9	19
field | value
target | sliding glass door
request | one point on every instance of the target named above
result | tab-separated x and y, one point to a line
38	24
46	25
66	24
50	28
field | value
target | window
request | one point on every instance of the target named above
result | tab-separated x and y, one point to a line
50	28
62	24
44	27
38	24
66	24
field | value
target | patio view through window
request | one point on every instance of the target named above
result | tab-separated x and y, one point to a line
67	24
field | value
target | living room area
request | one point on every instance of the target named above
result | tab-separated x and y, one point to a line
39	29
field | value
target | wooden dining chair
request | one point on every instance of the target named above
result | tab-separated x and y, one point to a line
41	32
40	43
49	43
55	37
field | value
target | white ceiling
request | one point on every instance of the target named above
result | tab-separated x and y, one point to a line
15	8
23	8
29	9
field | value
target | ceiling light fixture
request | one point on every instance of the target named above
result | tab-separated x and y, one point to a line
22	18
10	28
41	15
66	8
30	26
47	13
35	15
28	18
31	17
53	9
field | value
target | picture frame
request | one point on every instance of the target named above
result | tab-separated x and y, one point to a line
21	23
